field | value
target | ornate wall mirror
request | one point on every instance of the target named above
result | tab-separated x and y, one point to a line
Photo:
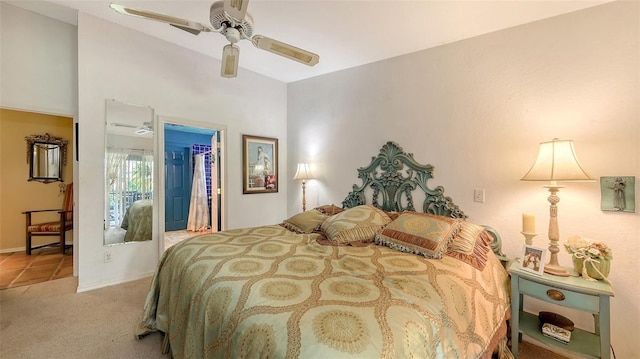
46	155
130	173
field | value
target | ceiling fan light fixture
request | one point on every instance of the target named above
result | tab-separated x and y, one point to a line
236	9
230	56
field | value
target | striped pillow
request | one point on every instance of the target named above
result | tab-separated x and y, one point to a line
471	245
357	224
420	233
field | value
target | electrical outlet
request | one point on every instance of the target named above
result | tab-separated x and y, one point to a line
107	257
478	195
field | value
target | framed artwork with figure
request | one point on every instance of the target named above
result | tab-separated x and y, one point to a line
259	164
618	194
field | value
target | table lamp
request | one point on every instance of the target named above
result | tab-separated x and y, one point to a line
303	173
556	162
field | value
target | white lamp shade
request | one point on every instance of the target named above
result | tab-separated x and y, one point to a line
557	161
302	172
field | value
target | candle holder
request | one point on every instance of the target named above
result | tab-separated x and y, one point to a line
528	237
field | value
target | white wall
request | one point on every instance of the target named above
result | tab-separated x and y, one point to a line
476	110
38	69
53	67
38	63
115	62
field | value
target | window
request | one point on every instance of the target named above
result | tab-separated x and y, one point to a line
130	178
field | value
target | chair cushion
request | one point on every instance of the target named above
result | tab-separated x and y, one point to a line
49	227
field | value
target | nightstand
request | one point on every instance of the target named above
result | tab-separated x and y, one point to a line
571	292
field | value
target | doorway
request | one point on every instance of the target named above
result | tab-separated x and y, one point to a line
18	194
191	180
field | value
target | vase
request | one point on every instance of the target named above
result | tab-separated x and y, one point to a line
603	265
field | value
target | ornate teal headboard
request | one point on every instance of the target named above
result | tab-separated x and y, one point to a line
394	175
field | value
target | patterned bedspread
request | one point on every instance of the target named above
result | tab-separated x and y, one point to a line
266	292
138	221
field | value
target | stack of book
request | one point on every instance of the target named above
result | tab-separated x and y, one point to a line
554	332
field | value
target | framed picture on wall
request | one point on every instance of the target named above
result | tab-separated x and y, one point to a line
259	164
533	259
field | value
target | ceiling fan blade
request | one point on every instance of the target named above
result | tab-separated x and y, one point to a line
187	29
182	24
286	50
236	9
230	57
119	124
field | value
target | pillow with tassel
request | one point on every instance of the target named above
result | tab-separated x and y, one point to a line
420	233
357	224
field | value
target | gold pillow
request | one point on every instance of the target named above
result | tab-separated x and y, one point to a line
357	224
420	233
305	222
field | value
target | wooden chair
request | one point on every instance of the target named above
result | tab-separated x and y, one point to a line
56	228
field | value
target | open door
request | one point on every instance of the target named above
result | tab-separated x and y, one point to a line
183	141
177	188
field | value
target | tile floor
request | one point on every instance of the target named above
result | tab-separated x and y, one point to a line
44	264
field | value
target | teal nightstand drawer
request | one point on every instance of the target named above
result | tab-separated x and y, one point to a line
559	296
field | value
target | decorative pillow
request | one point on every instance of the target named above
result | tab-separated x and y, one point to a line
330	209
305	222
393	215
471	245
465	240
357	224
420	233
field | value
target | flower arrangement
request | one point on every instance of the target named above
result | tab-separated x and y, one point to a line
590	258
582	247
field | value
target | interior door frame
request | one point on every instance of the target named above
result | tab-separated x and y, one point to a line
222	135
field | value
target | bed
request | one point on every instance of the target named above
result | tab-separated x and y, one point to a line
368	280
138	220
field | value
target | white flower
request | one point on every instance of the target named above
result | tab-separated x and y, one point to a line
595	252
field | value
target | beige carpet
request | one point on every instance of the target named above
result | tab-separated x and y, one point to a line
49	320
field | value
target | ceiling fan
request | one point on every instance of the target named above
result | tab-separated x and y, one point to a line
146	128
230	18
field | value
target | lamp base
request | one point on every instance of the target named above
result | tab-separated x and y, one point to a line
555	269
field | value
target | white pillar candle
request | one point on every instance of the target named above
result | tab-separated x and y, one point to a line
528	223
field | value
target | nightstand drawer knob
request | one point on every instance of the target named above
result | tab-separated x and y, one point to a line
555	295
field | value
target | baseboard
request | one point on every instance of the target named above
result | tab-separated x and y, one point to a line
97	285
12	250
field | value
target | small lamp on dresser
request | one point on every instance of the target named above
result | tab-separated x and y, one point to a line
556	162
303	173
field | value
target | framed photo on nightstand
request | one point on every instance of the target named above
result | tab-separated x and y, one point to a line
533	259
